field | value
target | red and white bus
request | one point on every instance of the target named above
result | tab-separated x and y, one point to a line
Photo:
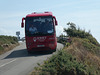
40	33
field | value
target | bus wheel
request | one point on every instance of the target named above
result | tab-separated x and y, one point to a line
54	50
29	52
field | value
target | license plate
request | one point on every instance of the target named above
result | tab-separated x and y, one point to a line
40	45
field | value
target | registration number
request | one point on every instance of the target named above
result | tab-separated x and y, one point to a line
40	45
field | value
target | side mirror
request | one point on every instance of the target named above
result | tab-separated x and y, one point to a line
22	24
55	21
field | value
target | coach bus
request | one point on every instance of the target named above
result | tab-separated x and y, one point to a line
40	33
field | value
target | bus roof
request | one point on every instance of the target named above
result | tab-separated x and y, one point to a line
35	14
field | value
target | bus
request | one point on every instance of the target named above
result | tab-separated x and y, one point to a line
40	33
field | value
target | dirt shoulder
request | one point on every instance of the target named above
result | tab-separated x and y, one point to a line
8	48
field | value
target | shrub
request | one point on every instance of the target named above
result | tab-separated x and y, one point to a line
62	63
8	41
72	31
91	46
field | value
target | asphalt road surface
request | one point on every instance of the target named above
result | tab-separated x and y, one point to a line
19	62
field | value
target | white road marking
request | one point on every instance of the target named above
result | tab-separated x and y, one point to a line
8	63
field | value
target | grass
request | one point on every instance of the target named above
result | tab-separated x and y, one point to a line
61	63
80	57
8	39
76	59
7	43
86	53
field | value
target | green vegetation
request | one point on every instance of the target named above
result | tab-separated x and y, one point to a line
72	31
7	42
87	53
80	57
61	63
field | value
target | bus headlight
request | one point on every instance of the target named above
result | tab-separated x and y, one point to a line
51	45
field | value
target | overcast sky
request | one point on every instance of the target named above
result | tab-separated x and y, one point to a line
84	13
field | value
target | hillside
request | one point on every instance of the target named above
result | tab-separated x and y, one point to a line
7	43
79	57
87	53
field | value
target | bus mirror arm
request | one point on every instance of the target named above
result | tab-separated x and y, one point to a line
22	24
55	20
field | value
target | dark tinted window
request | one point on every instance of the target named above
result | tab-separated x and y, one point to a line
39	26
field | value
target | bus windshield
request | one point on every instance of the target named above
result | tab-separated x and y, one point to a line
39	26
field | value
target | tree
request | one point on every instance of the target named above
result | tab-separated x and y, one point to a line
76	32
71	30
72	25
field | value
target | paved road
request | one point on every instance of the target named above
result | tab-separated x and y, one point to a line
19	62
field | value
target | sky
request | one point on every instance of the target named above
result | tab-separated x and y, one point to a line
84	13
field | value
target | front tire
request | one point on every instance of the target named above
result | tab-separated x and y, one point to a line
29	52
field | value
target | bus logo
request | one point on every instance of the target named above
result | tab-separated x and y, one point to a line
41	39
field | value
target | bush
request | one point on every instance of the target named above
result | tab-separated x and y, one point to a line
62	63
6	42
91	46
72	31
87	53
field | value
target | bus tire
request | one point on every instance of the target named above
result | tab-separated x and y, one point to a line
54	50
29	52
